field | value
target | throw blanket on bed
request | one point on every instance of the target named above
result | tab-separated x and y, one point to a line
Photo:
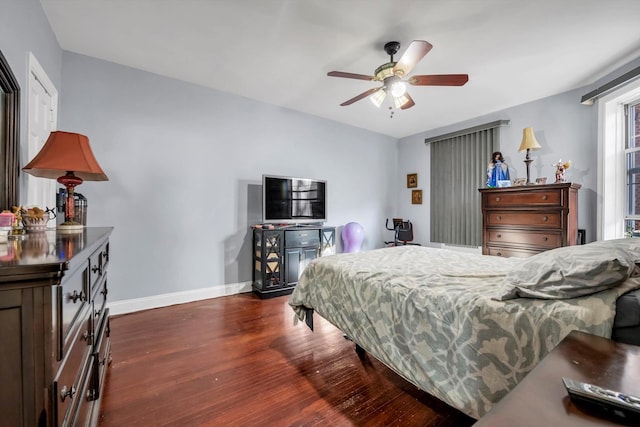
432	315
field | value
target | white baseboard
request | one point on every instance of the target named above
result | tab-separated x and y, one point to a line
164	300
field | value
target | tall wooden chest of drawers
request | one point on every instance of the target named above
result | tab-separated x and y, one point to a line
525	220
54	328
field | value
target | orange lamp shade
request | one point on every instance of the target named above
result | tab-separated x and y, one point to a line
66	152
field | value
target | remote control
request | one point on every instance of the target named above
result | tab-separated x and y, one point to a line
610	401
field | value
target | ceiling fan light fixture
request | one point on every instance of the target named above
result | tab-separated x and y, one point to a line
398	89
401	100
377	98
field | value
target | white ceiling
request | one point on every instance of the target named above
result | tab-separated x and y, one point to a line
279	51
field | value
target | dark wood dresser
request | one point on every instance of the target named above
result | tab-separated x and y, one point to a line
525	220
54	327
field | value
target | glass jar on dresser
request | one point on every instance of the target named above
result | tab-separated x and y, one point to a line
525	220
54	327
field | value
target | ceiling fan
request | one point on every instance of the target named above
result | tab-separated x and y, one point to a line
393	76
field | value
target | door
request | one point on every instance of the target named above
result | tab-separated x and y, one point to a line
42	114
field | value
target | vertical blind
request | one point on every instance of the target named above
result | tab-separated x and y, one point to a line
458	168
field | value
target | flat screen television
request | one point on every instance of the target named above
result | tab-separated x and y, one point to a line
287	200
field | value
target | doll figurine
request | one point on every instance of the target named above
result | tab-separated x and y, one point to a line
497	170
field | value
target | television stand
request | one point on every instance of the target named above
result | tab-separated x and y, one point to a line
281	254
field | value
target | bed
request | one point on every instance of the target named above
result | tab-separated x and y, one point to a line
466	327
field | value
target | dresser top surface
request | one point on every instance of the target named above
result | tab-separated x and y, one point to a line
47	252
571	185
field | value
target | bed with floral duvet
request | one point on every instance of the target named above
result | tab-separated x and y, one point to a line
461	326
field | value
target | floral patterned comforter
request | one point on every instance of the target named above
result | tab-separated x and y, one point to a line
429	314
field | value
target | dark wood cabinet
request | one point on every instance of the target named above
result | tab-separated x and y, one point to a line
282	253
526	220
54	327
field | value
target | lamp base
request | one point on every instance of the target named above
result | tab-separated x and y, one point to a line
70	227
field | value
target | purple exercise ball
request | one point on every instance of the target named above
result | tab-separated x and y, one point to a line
352	237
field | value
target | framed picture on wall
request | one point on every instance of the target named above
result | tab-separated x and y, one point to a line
416	197
412	180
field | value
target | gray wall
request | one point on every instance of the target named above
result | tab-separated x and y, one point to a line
185	166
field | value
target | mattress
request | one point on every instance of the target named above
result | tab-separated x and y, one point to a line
626	324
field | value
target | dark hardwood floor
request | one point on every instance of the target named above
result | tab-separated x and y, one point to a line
240	361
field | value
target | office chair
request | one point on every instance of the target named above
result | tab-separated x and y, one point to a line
403	232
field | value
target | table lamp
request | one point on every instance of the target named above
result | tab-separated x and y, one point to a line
528	143
67	157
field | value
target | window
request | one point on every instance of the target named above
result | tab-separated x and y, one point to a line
618	162
632	151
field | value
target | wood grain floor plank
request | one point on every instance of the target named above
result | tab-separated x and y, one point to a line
240	361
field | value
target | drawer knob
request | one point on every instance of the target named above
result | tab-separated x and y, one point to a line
64	393
499	253
499	217
545	239
545	197
499	236
545	218
87	337
498	199
96	269
75	296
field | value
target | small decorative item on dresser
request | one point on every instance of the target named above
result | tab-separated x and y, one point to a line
412	180
561	167
519	181
416	197
541	181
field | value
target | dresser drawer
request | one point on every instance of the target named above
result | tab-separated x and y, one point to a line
510	252
300	238
524	219
543	239
72	299
68	383
530	198
102	357
97	264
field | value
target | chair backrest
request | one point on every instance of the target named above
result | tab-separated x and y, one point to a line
404	231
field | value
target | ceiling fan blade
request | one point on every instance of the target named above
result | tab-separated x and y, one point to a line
349	75
359	97
439	80
409	103
414	53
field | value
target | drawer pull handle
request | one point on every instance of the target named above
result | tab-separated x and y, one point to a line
498	199
87	337
64	393
499	253
545	218
545	197
105	255
104	292
96	269
97	313
499	236
75	296
499	218
545	239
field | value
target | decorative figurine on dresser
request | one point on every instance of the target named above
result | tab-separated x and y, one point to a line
525	220
54	327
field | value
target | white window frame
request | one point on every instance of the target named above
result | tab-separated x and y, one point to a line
612	169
